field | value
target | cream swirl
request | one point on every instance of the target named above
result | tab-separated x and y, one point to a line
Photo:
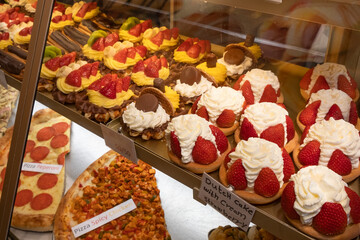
14	29
233	69
138	120
332	135
65	70
312	191
194	90
256	154
29	8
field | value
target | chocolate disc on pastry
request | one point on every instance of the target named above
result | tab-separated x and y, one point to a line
161	98
147	102
190	75
159	84
234	56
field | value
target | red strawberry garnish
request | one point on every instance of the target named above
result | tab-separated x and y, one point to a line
202	44
320	84
308	115
334	112
145	25
109	90
67	59
202	112
305	81
158	38
184	46
237	83
167	34
305	132
131	53
150	59
152	70
226	119
25	31
5	36
139	67
175	144
290	131
174	33
331	220
208	46
119	84
99	44
310	153
111	39
345	86
288	198
194	106
274	134
204	151
94	68
84	8
193	51
53	64
158	64
228	159
236	175
340	163
247	130
74	78
354	205
164	62
56	19
247	92
136	30
269	94
85	70
121	55
266	184
13	15
220	139
353	116
289	168
126	83
141	50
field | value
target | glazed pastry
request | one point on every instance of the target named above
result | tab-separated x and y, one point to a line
259	86
268	121
332	143
133	29
17	51
222	107
156	39
325	104
258	170
319	203
97	42
328	76
11	64
213	68
195	144
57	38
192	50
76	35
5	40
81	10
144	72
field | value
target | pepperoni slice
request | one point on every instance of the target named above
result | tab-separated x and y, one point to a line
29	174
59	141
47	181
39	153
30	144
61	158
23	197
45	134
60	127
41	201
2	174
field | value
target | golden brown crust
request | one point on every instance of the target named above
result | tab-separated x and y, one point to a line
43	115
307	96
200	168
34	222
246	51
208	77
5	142
165	103
230	130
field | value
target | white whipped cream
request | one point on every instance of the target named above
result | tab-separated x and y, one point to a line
332	135
232	69
194	90
315	185
264	115
138	120
256	154
3	26
188	128
14	29
65	70
110	51
329	97
258	80
216	100
30	8
331	72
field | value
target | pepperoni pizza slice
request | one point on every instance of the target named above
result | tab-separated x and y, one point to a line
39	194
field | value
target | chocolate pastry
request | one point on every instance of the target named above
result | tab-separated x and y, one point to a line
64	42
10	64
147	103
18	51
234	56
90	25
190	75
76	35
211	60
159	84
107	22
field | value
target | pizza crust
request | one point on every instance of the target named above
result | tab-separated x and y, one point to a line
5	143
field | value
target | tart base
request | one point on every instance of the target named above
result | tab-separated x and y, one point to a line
230	130
307	96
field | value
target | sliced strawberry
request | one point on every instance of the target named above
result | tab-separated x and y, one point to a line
119	84
164	62
74	78
289	168
174	33
269	94
25	31
226	119
145	25
194	106
175	144
56	19
204	151
202	112
121	55
109	90
53	64
274	134
266	184
304	134
99	44
63	17
237	83
340	163
95	85
151	70
352	81
310	153
208	46
184	46
139	67
305	81
290	131
158	38
308	115
194	51
236	175
94	68
353	116
247	92
82	11
220	139
202	44
288	198
247	130
136	30
345	86
69	16
5	36
320	84
141	50
85	70
158	64
67	59
167	34
92	5
111	39
354	205
150	59
13	15
334	112
331	220
126	83
131	53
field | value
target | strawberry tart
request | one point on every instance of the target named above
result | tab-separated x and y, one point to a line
82	10
5	40
326	76
61	17
268	121
259	85
97	43
327	103
21	34
148	117
192	50
213	68
133	29
332	143
320	204
10	17
195	144
224	113
257	169
156	39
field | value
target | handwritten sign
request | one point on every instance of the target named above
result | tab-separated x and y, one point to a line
119	143
103	218
41	167
3	81
226	202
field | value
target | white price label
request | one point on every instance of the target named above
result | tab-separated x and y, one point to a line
41	167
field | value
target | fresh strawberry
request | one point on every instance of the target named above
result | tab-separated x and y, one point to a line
228	159
305	132
320	84
345	86
310	153
288	198
340	163
175	144
220	139
150	59
274	134
5	36
158	38
56	19
266	184
131	53
94	68
236	175
136	30
24	31
226	119
126	83
167	34
69	16
289	168
247	93
152	70
184	46
308	115
334	112
204	151
305	81
141	50
194	106
193	51
202	112
237	83
164	62
82	11
85	70
247	130
208	46
174	33
53	64
67	59
331	220
353	116
74	78
99	44
352	81
202	44
96	86
109	90
119	84
290	131
158	64
354	205
139	67
269	94
145	25
63	17
111	39
92	5
13	15
121	55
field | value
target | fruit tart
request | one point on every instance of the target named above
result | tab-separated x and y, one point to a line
12	16
213	68
317	202
332	143
259	85
257	169
97	43
123	55
15	3
82	10
195	144
133	29
156	39
327	103
106	98
5	40
149	115
21	34
268	121
30	7
222	107
192	50
326	76
61	17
